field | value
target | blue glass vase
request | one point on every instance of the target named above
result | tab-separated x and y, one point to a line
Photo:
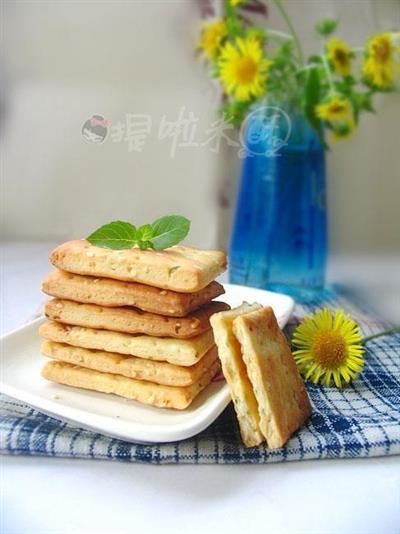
279	236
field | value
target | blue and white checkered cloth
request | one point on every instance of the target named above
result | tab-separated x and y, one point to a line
362	420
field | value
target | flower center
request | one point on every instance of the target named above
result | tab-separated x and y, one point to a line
341	57
329	349
246	70
382	51
336	109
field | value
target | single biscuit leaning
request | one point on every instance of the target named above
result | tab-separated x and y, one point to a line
114	293
184	352
178	398
235	372
132	320
130	366
282	398
178	268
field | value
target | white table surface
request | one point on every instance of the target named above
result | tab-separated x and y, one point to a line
53	495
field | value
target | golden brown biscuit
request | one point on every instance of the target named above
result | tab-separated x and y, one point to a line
130	366
184	352
282	398
132	320
107	292
178	398
235	373
178	268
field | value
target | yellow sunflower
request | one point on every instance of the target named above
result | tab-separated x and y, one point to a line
243	68
211	37
337	109
380	65
339	54
328	348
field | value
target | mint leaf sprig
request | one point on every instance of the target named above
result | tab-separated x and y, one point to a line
162	233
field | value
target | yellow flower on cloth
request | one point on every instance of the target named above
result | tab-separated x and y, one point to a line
243	68
339	54
235	3
337	109
211	37
381	65
328	348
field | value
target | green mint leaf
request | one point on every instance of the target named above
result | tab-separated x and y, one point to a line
326	27
169	231
145	232
116	235
163	233
143	235
143	245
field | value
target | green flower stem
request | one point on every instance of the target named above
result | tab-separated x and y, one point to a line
232	19
328	72
395	330
279	35
296	39
308	67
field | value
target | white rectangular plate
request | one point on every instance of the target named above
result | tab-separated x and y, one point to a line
109	414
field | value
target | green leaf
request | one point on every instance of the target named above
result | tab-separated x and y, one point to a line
315	59
143	235
326	27
169	231
145	232
258	33
163	233
361	102
312	97
116	235
233	23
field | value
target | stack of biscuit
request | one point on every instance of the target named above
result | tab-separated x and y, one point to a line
133	322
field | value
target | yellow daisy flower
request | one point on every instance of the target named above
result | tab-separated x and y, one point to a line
235	3
380	65
339	54
243	68
329	348
337	109
211	37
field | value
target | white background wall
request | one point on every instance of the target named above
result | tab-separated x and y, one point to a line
64	61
